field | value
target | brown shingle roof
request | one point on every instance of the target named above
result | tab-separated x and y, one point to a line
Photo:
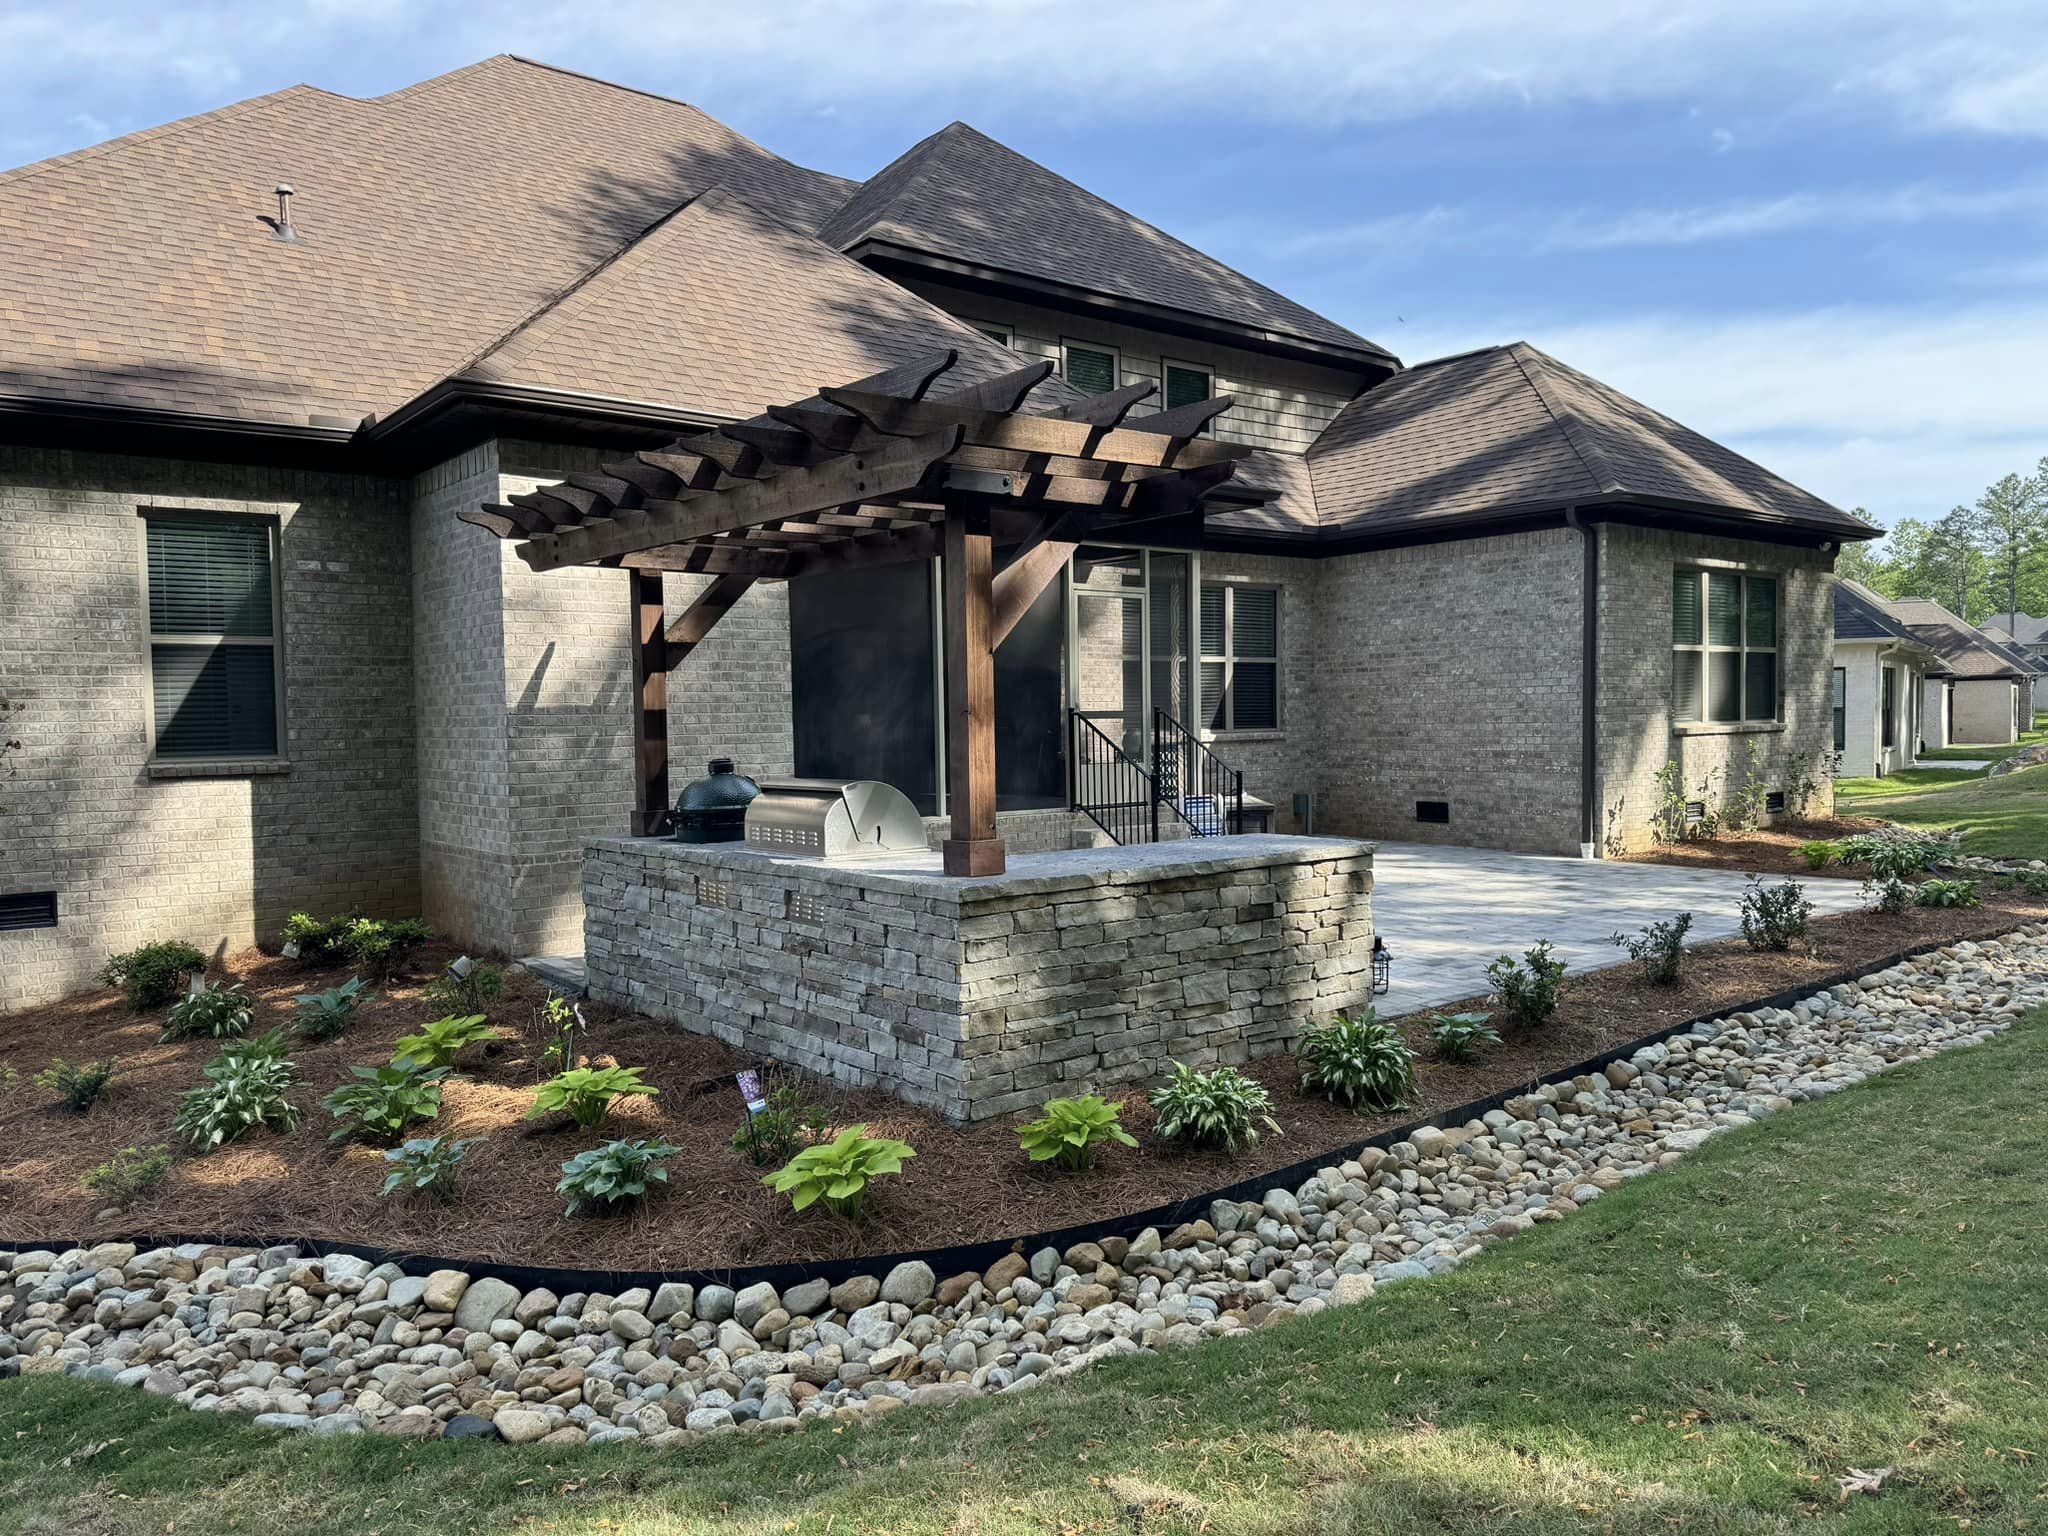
962	195
137	273
1509	428
1967	650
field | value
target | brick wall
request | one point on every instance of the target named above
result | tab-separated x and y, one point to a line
222	859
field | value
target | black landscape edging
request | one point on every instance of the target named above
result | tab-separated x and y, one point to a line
978	1256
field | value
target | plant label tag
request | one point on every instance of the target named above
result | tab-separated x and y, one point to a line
290	950
750	1090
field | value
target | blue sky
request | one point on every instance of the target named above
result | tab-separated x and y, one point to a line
1818	231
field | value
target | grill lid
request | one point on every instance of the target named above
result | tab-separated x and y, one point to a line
834	818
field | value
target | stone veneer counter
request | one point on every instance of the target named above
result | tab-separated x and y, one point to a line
977	997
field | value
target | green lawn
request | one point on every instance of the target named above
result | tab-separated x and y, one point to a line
2002	818
1855	1284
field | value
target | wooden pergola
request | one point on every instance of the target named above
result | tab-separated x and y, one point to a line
872	473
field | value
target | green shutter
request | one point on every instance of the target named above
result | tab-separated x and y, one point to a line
1090	371
1685	606
1185	386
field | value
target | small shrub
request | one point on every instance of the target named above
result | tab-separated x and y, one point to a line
9	1079
154	974
614	1174
77	1085
1745	809
1220	1107
1821	854
270	1044
317	939
242	1091
1528	988
218	1013
471	993
2033	881
556	1024
585	1094
1074	1131
1459	1037
840	1171
383	1101
1361	1063
1773	916
130	1175
440	1041
1890	896
1946	893
382	948
324	1015
427	1165
1659	948
1894	855
775	1134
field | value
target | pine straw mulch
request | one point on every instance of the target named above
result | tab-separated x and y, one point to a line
1770	850
965	1185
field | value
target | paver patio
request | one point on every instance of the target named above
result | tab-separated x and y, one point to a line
1446	913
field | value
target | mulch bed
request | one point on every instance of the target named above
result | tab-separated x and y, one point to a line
1770	851
965	1184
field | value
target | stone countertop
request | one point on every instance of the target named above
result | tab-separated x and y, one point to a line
920	873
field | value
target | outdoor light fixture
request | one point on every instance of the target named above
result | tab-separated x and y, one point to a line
1382	965
460	967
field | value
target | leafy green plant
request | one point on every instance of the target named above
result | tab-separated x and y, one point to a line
318	940
840	1171
2033	881
1219	1107
382	948
440	1041
1748	799
1891	896
130	1175
1074	1131
383	1101
9	1078
1528	988
242	1091
77	1084
153	974
1894	855
324	1015
775	1133
1671	816
1821	854
614	1174
1460	1037
1773	916
556	1023
586	1094
1946	893
217	1013
466	992
1659	948
1361	1062
427	1165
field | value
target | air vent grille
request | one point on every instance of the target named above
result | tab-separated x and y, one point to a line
28	909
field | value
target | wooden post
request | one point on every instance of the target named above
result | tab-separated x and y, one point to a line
650	704
969	562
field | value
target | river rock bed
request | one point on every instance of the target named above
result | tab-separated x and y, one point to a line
336	1345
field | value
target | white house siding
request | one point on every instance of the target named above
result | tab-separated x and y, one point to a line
1279	403
1986	712
218	860
1864	754
1935	706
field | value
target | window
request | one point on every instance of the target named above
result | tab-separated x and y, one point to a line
1092	370
1240	676
1724	646
1890	717
999	334
1841	703
212	635
1187	386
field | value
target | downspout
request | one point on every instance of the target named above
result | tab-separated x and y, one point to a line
1589	686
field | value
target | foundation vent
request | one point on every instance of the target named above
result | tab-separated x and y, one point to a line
28	909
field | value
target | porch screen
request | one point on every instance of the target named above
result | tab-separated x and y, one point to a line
212	636
1724	647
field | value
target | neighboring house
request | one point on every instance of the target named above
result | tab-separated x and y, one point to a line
1986	698
1881	677
2024	633
266	669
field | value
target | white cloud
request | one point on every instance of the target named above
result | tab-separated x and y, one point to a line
1918	204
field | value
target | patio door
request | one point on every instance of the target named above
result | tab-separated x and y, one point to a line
1108	679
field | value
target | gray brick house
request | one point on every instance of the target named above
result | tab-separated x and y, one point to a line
263	667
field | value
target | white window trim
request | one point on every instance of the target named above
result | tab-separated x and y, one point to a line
1231	587
1706	649
185	767
984	325
1116	357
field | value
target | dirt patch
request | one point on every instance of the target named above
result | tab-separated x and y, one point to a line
965	1185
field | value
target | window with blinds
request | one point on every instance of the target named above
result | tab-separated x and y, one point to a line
1092	370
1724	647
1239	677
1187	386
212	636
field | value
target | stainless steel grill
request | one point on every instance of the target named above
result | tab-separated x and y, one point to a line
833	819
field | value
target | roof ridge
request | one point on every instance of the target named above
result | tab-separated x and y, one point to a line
1605	481
21	173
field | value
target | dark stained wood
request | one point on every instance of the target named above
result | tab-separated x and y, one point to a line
1004	392
498	519
702	560
892	548
1182	420
1034	434
740	460
1020	583
775	442
1107	410
703	614
650	704
552	511
835	431
527	518
973	848
913	378
620	493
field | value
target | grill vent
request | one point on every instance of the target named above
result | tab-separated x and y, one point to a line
1436	813
28	909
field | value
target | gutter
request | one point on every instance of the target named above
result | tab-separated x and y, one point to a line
1589	686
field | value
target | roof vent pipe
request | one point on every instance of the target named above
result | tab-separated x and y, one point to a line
283	227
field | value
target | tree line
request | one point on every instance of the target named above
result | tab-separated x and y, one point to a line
1989	557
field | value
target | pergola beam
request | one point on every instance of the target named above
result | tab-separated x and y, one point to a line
1033	434
703	614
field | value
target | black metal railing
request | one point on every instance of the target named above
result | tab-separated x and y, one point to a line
1196	785
1111	787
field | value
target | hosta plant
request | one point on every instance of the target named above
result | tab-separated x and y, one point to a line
613	1175
383	1101
586	1094
1459	1037
217	1013
1896	854
1946	893
1774	915
1218	1108
427	1165
1361	1062
1659	948
1528	988
440	1041
840	1171
1074	1132
154	974
77	1084
130	1175
1821	854
242	1091
324	1015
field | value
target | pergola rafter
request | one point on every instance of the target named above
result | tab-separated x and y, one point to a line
876	472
